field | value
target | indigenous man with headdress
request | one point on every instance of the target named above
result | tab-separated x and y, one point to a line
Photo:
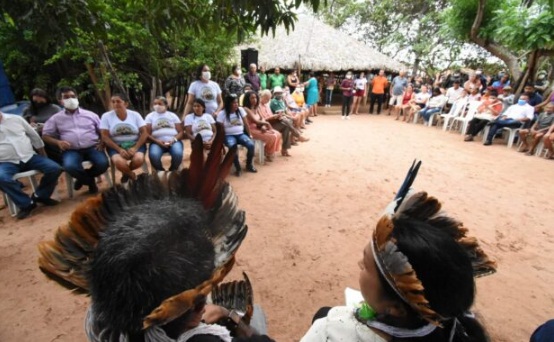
149	253
416	279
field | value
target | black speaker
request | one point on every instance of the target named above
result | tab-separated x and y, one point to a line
248	57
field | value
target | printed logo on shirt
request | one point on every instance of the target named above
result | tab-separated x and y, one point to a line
124	129
163	123
203	125
206	94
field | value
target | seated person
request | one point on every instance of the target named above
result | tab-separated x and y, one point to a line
165	131
474	94
40	109
124	134
76	133
407	97
535	99
418	102
247	88
434	105
538	130
299	113
416	279
278	104
199	122
298	97
17	139
549	142
278	122
148	274
514	117
474	82
279	115
261	129
503	82
237	132
453	93
486	112
507	97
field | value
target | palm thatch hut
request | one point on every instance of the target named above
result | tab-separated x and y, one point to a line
314	45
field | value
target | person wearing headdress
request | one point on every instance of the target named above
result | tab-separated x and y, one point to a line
416	278
148	253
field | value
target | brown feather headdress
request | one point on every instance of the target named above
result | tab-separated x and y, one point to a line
148	253
395	266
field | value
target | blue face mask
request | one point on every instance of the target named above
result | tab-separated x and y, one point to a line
521	102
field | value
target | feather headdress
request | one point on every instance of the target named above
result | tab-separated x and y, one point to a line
395	266
120	246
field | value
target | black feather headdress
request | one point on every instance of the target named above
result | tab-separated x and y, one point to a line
147	253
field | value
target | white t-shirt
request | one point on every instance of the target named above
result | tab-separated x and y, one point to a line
208	92
360	83
340	325
201	125
421	97
454	94
518	112
122	131
163	125
235	125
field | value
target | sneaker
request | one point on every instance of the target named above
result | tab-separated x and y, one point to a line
487	143
238	172
46	201
348	117
25	212
251	168
93	188
468	138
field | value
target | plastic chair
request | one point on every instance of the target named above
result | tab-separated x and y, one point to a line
86	165
14	210
464	120
512	133
456	110
259	148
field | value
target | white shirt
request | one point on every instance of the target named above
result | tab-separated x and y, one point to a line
360	83
122	131
201	125
340	325
518	112
208	92
17	139
436	101
454	94
235	125
163	125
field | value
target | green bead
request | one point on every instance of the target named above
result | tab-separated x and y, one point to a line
366	312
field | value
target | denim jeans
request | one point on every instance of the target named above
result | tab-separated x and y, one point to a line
499	124
328	96
155	153
427	112
244	140
50	170
73	159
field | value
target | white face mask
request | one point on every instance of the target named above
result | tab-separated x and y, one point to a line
159	108
348	76
206	75
71	103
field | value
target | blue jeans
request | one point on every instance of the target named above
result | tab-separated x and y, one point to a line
73	159
499	124
328	96
244	140
427	112
50	170
155	153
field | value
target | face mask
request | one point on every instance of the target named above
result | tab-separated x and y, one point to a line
71	103
348	76
521	102
159	108
206	75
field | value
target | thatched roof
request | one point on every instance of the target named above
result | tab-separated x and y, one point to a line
318	47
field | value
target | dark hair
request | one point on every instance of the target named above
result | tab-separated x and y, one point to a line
246	101
122	96
229	99
200	102
436	91
445	270
162	98
62	90
235	67
493	92
311	74
199	71
529	95
39	92
139	262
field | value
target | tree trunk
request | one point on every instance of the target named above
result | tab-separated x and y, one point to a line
100	94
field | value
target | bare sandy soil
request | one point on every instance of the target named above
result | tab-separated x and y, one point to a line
310	216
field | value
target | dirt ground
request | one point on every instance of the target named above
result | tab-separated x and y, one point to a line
310	215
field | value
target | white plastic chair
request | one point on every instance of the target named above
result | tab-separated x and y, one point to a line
259	148
86	165
456	110
512	133
32	180
464	120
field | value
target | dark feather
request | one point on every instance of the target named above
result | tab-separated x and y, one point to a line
408	181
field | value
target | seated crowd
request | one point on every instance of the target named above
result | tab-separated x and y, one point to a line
67	136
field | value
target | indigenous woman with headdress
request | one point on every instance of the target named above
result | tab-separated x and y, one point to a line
148	273
416	279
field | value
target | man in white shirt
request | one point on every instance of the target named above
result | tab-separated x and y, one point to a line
454	93
514	117
17	139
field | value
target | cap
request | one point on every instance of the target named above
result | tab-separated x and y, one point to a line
277	90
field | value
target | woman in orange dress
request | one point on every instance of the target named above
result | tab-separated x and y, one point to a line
259	128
